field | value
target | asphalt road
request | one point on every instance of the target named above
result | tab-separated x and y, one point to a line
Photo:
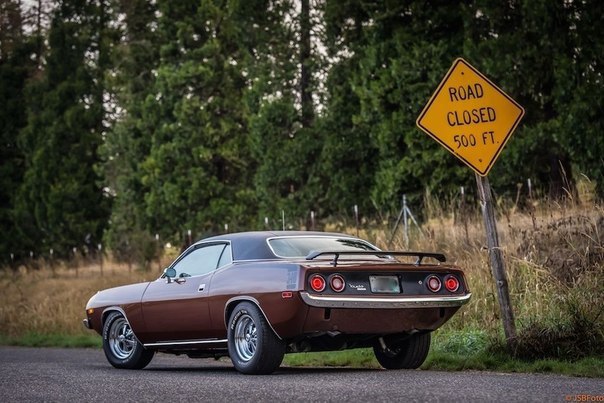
83	375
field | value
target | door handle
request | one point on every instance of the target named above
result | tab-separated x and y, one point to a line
201	287
180	280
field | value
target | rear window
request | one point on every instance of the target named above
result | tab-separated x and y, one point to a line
291	247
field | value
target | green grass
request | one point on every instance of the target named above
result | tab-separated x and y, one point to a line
454	361
485	361
52	340
458	351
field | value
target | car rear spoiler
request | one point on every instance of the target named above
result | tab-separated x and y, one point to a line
380	253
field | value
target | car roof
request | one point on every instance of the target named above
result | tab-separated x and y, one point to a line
253	245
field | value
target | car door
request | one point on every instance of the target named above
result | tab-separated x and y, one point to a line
177	309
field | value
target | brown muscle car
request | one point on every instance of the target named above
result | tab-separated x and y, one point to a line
255	296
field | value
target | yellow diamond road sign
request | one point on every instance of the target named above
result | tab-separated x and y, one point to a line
470	116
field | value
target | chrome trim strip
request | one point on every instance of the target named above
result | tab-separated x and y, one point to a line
324	301
258	260
185	343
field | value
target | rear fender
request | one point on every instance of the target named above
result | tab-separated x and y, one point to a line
232	303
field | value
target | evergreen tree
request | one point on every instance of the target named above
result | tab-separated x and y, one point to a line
196	174
15	69
60	203
579	97
517	47
127	143
343	174
283	133
403	52
543	53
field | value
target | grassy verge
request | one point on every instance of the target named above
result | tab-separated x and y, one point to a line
52	340
477	350
457	351
592	367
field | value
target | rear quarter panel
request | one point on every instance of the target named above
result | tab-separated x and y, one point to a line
261	282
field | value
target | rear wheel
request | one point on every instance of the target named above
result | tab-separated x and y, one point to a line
404	352
121	347
253	346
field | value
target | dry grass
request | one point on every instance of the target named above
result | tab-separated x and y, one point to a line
46	301
554	255
554	258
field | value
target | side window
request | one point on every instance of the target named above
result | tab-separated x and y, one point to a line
199	261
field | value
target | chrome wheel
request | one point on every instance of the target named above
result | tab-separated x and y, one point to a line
121	339
253	346
120	345
246	337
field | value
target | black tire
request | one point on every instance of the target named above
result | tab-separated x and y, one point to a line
253	346
121	347
404	352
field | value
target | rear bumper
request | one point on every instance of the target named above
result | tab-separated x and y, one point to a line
372	302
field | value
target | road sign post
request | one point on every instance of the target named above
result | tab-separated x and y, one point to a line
473	119
496	259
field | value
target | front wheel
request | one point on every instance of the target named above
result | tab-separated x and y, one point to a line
404	352
121	347
253	346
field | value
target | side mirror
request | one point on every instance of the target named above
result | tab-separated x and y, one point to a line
169	273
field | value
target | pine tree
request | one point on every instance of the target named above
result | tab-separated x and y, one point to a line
544	55
196	173
61	204
15	69
401	50
283	132
343	174
580	93
127	143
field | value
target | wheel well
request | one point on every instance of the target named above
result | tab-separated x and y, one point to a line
109	311
232	303
105	314
229	310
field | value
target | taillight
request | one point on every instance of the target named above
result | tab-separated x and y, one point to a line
433	283
337	283
317	283
451	283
